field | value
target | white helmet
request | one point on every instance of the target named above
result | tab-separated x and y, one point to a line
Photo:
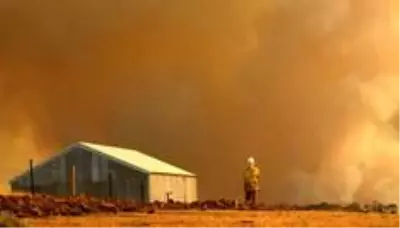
251	161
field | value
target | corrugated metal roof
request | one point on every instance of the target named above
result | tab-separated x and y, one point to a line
137	159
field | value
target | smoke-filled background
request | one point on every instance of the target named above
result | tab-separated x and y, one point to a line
309	88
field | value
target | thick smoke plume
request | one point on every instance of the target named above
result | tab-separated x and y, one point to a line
309	88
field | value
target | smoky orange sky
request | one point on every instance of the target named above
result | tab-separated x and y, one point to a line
309	88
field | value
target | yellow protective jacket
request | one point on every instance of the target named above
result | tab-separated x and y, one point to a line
252	178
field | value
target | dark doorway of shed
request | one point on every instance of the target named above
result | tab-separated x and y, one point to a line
112	184
135	189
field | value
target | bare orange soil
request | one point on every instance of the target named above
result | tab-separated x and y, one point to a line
224	218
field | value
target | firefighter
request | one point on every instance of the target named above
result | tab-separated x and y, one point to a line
251	182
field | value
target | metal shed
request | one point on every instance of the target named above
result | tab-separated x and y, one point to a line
100	170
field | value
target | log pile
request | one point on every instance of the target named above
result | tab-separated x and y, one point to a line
44	205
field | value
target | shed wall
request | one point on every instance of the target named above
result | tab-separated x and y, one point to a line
128	183
91	177
183	188
47	179
191	189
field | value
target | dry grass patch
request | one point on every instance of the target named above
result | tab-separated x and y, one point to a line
224	218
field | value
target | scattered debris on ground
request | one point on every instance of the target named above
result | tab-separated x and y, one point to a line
40	205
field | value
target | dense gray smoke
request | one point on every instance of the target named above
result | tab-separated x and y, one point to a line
309	88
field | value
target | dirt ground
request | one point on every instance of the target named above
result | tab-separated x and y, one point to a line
224	218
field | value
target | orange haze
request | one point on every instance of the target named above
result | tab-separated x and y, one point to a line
309	88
